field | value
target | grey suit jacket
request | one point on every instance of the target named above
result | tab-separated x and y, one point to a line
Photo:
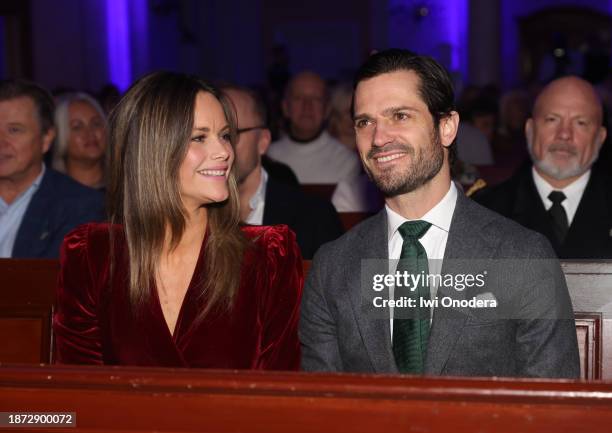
533	337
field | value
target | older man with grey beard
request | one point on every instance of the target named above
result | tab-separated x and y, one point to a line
562	195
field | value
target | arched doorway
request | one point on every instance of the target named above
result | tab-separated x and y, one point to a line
565	40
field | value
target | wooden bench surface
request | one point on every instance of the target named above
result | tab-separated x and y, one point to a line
143	399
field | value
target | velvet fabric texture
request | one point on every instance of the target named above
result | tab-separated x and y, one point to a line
95	324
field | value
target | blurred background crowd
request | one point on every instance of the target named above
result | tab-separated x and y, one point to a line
297	59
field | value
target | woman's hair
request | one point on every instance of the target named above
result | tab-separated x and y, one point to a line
62	125
149	132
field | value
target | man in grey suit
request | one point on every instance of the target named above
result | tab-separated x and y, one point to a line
405	126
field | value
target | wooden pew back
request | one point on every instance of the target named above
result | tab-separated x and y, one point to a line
590	287
324	191
28	287
26	309
351	219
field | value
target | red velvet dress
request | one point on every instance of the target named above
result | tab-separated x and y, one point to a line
94	323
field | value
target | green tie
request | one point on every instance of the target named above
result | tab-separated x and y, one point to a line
410	335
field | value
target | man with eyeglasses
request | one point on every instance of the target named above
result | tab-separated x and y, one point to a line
311	152
264	199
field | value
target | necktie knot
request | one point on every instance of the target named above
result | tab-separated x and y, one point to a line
556	197
412	231
559	216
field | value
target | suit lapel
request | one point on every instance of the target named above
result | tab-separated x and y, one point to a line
529	211
464	242
277	210
375	331
591	216
35	231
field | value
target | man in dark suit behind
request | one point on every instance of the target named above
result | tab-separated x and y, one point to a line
265	199
38	206
561	195
405	125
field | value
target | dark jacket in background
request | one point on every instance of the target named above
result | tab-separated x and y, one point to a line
59	205
279	171
313	220
590	234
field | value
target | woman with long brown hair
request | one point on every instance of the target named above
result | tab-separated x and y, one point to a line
173	279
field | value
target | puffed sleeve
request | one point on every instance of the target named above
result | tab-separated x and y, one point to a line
76	321
280	347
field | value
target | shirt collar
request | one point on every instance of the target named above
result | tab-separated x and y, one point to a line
572	191
30	190
260	194
38	180
440	215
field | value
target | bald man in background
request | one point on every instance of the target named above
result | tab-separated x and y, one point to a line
264	199
562	195
314	155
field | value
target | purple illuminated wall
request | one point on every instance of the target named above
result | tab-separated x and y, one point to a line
85	44
434	27
139	37
69	43
118	43
3	74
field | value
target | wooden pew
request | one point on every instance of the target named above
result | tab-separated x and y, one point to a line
323	190
590	287
138	399
26	308
351	219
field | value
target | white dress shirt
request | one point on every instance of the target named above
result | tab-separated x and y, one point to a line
11	216
434	241
573	193
257	203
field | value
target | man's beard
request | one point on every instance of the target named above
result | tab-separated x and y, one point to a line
244	168
423	167
548	166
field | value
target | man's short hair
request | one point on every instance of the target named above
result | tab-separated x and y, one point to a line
435	87
16	88
261	109
435	84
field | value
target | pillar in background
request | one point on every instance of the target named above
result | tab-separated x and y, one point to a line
484	42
